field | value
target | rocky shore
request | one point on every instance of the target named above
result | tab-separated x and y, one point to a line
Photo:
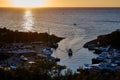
17	48
108	49
9	36
112	39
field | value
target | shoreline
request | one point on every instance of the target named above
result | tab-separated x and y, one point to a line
105	40
107	47
25	47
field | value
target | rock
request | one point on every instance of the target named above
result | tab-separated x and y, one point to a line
112	39
27	37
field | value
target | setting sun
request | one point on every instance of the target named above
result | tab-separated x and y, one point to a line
59	3
29	3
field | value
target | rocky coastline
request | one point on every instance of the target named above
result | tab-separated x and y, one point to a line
17	47
112	39
9	36
108	49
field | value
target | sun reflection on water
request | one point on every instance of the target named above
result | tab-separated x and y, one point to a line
28	22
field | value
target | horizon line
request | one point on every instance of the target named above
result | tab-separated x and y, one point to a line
57	7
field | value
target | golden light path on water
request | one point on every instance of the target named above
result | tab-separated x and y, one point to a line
28	21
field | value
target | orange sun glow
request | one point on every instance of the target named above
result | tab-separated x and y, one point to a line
29	3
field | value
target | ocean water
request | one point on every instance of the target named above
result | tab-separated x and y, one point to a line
77	25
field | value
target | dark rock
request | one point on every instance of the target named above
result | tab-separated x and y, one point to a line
96	61
112	39
9	36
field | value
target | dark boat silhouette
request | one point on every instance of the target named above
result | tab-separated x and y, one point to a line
70	52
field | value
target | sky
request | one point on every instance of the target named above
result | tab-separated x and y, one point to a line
61	3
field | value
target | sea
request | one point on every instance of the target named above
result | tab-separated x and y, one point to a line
76	25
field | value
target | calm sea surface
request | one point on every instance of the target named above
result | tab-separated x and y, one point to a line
77	25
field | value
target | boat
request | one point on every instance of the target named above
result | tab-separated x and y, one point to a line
23	58
48	51
91	66
13	67
70	52
52	59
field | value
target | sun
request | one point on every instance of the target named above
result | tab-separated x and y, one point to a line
29	3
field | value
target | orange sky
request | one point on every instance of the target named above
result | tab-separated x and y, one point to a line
66	3
5	3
